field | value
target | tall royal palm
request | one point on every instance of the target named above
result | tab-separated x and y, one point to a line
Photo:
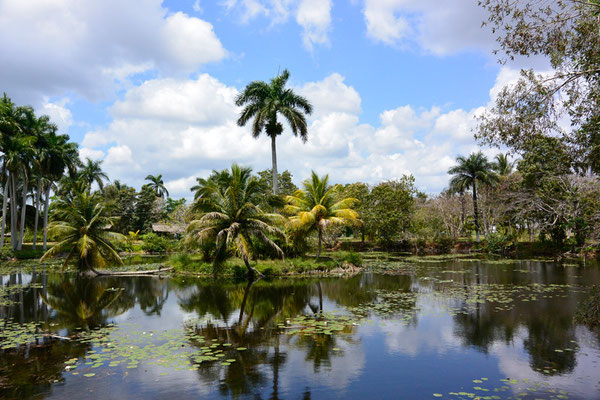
157	184
470	172
264	101
230	218
316	207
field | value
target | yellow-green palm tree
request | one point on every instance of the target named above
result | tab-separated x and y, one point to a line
317	206
83	229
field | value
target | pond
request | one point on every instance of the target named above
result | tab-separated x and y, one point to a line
424	330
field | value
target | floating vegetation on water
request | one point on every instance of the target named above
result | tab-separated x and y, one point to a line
325	323
10	290
508	388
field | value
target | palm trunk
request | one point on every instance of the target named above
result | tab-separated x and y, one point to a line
47	200
37	211
13	213
23	212
4	208
475	212
274	160
320	241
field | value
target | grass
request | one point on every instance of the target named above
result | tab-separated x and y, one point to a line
338	262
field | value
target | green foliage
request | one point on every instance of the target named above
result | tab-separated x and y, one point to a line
229	217
588	311
83	229
351	258
145	213
318	207
154	243
6	253
390	206
498	243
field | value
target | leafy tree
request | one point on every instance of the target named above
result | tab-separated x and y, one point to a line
470	172
229	216
359	191
566	33
146	212
83	230
390	205
263	102
121	200
156	183
316	207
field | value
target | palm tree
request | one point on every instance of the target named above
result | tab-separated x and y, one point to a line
230	217
263	102
92	172
468	173
503	166
83	229
157	184
316	207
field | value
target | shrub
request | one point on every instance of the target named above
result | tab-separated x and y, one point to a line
498	243
6	253
155	244
352	258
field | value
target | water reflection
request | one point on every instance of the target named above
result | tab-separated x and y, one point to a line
490	316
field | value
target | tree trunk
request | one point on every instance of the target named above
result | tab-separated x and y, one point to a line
274	160
252	272
4	208
23	212
47	200
13	213
475	212
37	210
320	241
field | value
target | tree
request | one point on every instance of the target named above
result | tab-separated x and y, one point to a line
316	207
157	184
566	32
83	230
229	217
92	172
468	173
503	166
263	102
390	206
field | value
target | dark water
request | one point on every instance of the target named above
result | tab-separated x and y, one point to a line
434	330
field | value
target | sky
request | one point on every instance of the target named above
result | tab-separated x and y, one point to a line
148	86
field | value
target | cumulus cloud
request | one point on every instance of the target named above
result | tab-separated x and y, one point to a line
84	47
58	113
314	16
453	27
184	128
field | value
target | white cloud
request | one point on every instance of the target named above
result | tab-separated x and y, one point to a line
92	154
439	28
185	128
315	18
58	113
84	47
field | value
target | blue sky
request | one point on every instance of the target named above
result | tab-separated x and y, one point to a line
148	86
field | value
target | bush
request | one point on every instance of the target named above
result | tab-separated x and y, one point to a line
352	258
498	243
155	244
6	253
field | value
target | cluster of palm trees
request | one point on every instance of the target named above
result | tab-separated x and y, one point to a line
228	215
33	158
474	171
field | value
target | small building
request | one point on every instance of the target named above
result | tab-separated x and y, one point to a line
174	230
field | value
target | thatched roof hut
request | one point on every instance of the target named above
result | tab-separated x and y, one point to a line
169	229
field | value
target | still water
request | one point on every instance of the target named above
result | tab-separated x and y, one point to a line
450	329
